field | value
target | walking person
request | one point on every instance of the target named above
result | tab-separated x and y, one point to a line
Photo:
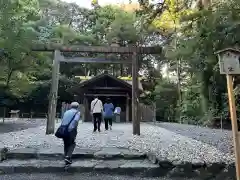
70	119
97	110
108	113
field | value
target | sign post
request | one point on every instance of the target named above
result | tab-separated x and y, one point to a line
230	65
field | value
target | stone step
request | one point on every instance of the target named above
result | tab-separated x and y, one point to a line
79	153
143	168
123	167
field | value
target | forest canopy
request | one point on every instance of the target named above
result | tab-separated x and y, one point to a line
184	81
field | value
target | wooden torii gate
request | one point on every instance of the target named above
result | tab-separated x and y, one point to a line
58	49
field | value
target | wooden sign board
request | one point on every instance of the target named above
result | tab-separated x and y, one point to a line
229	62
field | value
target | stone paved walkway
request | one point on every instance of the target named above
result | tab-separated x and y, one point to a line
83	176
159	141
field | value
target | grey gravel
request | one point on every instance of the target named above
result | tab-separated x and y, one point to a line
163	143
221	139
11	125
85	176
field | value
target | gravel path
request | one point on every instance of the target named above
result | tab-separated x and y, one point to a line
221	139
11	125
85	176
165	144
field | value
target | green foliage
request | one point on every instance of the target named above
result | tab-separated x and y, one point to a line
25	76
122	29
214	29
193	91
166	100
192	35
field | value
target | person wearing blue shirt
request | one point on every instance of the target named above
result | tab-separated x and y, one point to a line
108	113
72	115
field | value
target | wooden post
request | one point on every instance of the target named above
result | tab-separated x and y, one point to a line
85	108
233	114
86	113
221	119
85	71
154	112
53	93
121	70
127	109
113	71
63	109
135	120
4	113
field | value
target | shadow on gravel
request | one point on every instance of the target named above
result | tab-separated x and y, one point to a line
18	125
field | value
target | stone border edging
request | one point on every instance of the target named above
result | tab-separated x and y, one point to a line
142	172
218	171
122	167
57	156
103	153
176	169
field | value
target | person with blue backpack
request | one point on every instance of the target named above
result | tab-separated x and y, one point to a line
108	113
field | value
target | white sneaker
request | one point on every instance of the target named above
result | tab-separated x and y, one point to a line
110	127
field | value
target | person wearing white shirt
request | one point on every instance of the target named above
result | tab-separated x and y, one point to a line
96	110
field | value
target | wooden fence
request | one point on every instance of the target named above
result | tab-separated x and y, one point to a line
147	113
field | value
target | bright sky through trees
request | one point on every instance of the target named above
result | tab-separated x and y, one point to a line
87	3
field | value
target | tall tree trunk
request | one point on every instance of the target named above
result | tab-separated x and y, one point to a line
204	92
206	3
203	4
9	76
121	70
179	82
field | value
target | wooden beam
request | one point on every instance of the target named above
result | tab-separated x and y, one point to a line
85	108
94	60
107	88
127	109
106	95
97	49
